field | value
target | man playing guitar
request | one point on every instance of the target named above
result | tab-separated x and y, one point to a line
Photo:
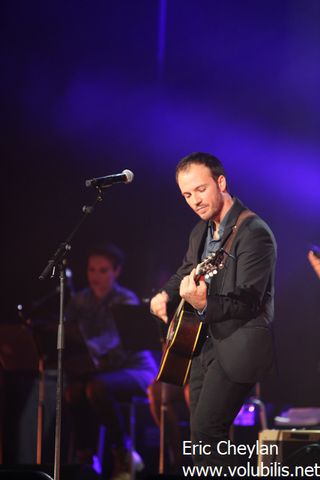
234	349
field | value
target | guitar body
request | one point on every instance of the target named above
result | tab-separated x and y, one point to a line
182	338
184	330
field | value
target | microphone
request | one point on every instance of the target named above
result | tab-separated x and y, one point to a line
103	182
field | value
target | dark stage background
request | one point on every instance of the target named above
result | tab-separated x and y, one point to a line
91	88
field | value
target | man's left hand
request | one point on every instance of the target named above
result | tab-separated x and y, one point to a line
195	294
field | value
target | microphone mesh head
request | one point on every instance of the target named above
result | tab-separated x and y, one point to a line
129	175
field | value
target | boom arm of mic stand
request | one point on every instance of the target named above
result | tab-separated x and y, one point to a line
65	247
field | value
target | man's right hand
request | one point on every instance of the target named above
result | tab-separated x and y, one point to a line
158	305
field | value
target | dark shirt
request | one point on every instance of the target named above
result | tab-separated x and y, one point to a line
212	245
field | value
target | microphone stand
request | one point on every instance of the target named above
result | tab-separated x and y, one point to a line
58	262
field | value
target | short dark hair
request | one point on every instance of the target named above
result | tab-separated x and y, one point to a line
213	163
109	251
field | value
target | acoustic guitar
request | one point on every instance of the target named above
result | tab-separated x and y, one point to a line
184	330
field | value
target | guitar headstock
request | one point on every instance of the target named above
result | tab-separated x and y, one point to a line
210	265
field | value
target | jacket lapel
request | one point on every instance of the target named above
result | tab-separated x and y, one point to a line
217	281
235	211
199	242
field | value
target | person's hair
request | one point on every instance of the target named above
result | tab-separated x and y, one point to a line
109	251
213	163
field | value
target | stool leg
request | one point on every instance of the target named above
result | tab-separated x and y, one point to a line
132	429
101	443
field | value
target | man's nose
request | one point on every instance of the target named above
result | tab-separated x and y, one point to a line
196	199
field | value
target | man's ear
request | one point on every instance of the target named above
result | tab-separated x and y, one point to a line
222	183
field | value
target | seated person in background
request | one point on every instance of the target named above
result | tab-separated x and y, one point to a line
119	374
314	259
173	435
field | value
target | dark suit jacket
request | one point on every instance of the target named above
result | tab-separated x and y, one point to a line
240	298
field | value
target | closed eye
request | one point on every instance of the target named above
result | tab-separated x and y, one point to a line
201	189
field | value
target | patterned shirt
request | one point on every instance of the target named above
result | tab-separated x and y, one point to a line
100	334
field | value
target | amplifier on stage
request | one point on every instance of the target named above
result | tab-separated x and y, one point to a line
289	447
